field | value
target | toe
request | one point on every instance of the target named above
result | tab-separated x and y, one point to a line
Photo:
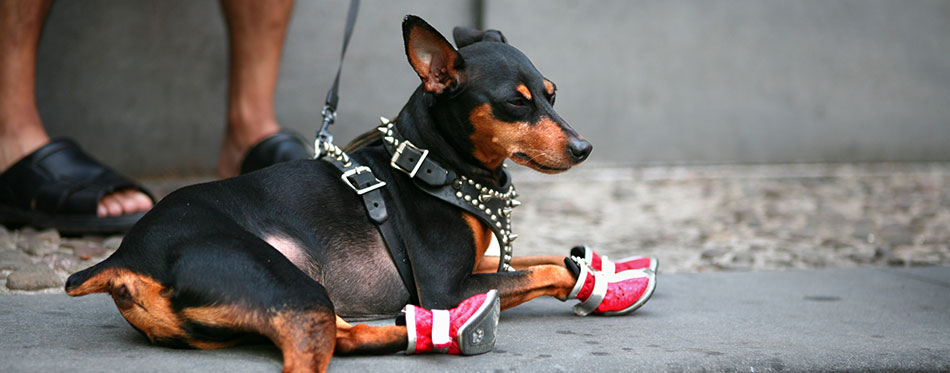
112	205
142	201
127	200
123	203
135	201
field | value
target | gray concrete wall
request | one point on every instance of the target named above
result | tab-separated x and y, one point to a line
745	81
141	84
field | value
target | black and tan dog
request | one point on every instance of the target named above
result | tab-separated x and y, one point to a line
287	251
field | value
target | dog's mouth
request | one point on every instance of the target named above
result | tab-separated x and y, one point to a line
537	165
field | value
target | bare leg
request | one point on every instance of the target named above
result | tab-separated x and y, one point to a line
256	31
21	129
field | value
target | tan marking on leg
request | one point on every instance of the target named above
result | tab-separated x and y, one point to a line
489	264
362	338
480	234
542	280
306	339
233	317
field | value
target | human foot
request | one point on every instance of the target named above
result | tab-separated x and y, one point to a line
238	139
122	202
241	154
59	186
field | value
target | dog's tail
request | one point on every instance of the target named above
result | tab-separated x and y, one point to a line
95	279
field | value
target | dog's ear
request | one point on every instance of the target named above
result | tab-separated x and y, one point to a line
464	36
434	59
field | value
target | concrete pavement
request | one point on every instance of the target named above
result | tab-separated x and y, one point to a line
842	319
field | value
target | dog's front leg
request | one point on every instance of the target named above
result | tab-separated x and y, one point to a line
615	293
489	264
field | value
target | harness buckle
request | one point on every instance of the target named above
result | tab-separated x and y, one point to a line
350	178
397	157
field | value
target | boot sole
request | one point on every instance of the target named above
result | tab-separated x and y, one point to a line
639	303
477	335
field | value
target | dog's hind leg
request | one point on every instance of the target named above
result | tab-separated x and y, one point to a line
229	288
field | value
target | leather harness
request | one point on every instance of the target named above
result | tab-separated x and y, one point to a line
491	204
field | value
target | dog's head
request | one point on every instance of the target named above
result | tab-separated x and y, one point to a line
505	106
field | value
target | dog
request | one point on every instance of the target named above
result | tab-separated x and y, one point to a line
292	251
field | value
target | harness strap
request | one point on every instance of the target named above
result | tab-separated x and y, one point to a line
492	205
369	189
414	161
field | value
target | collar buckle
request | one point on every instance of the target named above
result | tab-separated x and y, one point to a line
360	176
412	152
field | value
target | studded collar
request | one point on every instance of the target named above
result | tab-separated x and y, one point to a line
491	204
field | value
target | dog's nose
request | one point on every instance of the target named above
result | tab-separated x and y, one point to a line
579	149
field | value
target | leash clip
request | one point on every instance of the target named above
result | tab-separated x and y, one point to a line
324	137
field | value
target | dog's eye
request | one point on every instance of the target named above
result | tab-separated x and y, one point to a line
518	102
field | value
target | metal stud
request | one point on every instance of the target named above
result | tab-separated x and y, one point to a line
389	139
457	184
512	237
506	211
384	120
498	224
382	129
468	197
494	218
482	206
514	203
484	197
458	194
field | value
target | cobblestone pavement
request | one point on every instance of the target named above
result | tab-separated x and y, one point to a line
694	218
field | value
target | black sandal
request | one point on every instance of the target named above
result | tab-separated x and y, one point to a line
59	186
281	147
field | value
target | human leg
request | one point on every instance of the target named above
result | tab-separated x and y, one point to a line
21	129
256	33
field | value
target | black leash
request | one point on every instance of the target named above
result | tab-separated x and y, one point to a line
360	178
329	108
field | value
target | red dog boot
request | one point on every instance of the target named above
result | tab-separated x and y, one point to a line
602	264
609	294
468	329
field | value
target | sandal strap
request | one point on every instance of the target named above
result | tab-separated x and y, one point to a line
60	178
283	146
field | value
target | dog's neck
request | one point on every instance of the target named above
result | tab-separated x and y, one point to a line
444	134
